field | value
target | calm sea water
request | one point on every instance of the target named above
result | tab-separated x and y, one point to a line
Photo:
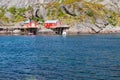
83	57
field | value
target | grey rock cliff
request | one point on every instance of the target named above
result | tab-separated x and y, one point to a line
21	3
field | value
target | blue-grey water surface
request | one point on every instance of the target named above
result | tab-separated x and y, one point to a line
83	57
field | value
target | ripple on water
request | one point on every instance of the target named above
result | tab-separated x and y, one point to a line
84	57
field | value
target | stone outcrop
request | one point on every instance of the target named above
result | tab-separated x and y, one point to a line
87	28
21	3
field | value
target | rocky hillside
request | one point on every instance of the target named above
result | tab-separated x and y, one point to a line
91	16
12	11
21	3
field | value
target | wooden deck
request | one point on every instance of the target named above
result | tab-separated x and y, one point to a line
59	29
23	31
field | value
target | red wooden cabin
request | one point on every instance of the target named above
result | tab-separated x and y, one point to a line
30	24
52	24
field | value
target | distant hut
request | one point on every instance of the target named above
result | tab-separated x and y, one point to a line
52	24
56	25
31	26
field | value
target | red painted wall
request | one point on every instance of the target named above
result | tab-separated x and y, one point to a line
52	25
32	24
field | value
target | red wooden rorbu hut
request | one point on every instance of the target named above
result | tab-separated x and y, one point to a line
30	24
52	23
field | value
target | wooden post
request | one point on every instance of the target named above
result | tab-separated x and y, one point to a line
12	31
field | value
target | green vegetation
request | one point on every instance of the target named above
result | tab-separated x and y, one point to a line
70	1
2	13
17	14
12	10
90	13
87	11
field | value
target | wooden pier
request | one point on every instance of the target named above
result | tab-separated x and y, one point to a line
56	26
19	30
59	29
31	27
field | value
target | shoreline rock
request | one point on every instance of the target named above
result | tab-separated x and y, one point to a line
44	31
76	30
83	29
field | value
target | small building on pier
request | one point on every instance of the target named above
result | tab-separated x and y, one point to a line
30	27
56	25
52	23
30	24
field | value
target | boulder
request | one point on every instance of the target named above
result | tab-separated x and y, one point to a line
17	31
28	14
21	3
80	29
93	27
8	15
107	29
44	31
101	21
40	12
